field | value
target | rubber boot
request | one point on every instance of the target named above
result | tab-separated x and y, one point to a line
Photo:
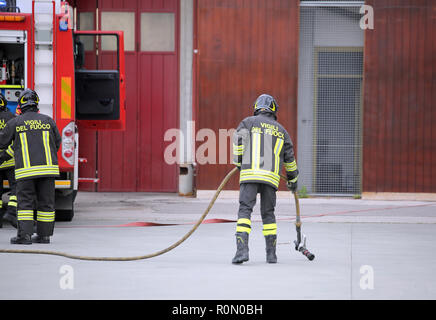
24	232
271	242
241	248
40	239
43	230
21	239
2	213
8	217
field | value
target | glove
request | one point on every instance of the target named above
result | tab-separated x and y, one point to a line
292	186
4	157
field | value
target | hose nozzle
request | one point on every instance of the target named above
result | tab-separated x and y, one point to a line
302	248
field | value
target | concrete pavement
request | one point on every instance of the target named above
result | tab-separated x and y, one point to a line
364	250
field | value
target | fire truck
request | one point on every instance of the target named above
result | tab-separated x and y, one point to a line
78	75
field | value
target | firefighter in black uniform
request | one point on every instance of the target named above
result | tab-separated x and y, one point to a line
36	141
261	146
8	213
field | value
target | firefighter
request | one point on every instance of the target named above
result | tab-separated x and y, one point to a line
261	146
36	141
8	213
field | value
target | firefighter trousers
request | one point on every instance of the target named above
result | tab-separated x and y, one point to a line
9	174
247	200
39	194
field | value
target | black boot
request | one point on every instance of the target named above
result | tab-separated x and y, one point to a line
11	219
22	239
271	241
40	239
241	248
2	213
24	232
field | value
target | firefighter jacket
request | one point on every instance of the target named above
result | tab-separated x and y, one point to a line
36	142
260	147
5	116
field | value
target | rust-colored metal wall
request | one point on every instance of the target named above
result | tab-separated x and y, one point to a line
246	48
399	123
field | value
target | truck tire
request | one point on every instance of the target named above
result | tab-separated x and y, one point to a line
64	215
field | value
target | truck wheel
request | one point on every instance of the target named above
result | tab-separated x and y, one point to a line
64	215
64	205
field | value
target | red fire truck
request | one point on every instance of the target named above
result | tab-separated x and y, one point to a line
78	75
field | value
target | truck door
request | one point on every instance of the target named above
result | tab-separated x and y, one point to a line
100	88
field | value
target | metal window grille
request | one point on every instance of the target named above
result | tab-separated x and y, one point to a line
330	97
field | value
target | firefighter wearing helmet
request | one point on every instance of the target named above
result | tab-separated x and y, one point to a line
7	213
36	140
260	147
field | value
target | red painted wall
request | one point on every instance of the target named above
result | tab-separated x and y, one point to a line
133	160
246	48
399	124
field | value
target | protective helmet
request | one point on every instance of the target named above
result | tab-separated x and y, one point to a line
3	102
27	99
267	103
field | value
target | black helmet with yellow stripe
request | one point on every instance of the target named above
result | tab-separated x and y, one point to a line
28	100
266	103
3	103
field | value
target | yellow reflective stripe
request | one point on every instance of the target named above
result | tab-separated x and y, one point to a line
294	180
247	175
260	172
290	166
25	215
25	150
269	229
46	139
36	170
243	229
255	154
254	177
238	147
244	221
275	183
12	198
65	97
36	173
45	216
11	86
277	150
8	163
270	226
10	150
269	232
12	204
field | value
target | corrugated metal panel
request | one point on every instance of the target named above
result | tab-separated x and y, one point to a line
246	48
399	137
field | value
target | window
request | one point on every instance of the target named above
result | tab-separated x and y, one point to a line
123	21
86	22
157	31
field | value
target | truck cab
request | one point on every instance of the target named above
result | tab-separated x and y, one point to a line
41	49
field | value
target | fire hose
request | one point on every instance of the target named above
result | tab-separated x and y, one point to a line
298	245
